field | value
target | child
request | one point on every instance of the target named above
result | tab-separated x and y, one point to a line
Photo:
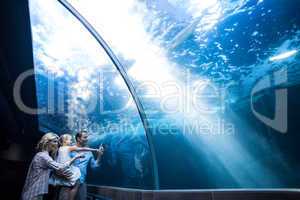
64	155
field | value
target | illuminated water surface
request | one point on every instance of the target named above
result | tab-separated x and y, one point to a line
193	64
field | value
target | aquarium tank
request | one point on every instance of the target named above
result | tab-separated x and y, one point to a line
183	94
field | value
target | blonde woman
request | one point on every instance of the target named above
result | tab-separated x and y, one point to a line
36	184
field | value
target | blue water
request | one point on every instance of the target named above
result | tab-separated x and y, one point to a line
194	65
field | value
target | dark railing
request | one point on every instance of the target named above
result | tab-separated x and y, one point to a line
115	193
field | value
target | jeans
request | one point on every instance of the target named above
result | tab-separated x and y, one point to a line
81	193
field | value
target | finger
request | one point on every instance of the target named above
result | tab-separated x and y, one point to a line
70	174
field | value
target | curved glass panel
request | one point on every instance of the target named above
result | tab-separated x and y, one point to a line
203	70
78	88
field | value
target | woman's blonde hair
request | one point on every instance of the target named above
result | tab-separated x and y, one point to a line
44	141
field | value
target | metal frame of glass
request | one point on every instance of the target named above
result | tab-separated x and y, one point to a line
127	81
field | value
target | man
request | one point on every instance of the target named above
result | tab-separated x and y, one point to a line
85	162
